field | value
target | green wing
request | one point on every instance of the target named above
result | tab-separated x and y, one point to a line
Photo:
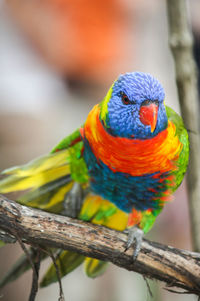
183	137
44	182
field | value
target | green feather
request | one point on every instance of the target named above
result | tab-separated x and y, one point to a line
94	267
78	168
183	137
67	141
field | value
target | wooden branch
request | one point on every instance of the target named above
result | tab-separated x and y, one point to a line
175	267
181	42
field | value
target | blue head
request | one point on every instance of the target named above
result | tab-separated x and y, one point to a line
135	106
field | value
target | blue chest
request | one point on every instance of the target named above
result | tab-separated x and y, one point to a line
125	191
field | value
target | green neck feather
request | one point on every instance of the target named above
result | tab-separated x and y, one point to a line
104	104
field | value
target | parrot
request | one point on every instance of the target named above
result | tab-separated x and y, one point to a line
118	169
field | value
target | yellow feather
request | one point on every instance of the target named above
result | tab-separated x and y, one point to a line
104	106
94	267
36	173
35	180
90	206
59	196
103	212
40	164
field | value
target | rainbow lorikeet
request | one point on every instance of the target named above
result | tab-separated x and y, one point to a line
118	170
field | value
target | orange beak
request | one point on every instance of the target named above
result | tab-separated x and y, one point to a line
149	114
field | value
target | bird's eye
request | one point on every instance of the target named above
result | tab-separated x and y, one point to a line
125	99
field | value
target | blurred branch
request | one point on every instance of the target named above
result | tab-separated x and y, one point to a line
177	268
181	43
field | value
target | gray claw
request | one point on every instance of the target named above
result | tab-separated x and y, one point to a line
73	201
135	236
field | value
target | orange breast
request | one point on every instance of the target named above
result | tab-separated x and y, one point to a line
133	156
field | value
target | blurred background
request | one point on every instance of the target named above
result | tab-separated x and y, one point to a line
57	60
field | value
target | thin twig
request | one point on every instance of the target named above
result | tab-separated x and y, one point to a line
50	254
34	288
148	287
61	297
35	267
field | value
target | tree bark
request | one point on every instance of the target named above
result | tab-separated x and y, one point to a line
177	268
181	43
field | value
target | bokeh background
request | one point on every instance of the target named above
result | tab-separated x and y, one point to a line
57	59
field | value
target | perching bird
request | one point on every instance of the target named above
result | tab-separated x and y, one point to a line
118	170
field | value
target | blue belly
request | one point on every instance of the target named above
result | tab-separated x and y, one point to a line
125	191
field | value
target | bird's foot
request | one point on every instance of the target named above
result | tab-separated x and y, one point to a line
73	201
135	236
